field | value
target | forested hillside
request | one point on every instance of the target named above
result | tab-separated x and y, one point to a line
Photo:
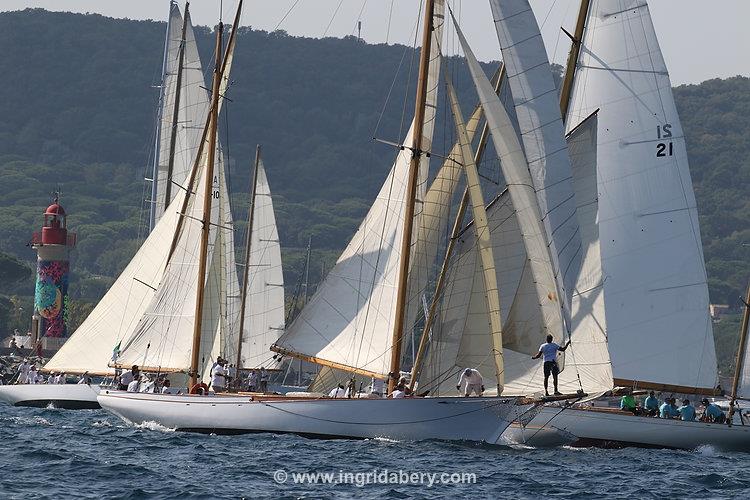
77	110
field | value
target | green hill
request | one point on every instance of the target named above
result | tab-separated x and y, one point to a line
77	111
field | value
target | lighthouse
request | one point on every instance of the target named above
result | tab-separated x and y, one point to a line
53	245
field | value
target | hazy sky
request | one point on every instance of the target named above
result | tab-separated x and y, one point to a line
700	39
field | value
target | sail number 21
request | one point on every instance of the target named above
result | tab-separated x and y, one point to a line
664	132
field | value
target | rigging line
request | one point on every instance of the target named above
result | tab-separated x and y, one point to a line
359	17
411	69
286	15
388	29
336	11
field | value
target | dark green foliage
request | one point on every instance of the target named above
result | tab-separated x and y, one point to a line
77	110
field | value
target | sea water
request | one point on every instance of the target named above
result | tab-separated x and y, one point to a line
50	453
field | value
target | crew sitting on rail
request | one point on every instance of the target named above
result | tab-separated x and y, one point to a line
127	377
712	413
687	411
669	409
627	403
474	382
651	405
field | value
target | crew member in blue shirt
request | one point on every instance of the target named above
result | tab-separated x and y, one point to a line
712	413
687	411
651	405
549	350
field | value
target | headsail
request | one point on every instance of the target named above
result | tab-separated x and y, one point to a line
654	279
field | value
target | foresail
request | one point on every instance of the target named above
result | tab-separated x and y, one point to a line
163	335
538	110
654	280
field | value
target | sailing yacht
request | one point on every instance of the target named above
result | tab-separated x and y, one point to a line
642	290
357	320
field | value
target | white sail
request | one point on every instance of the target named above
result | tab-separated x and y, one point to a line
192	111
264	312
538	112
654	280
349	320
522	194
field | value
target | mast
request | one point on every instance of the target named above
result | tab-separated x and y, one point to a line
176	110
740	354
246	261
500	76
160	108
575	50
416	154
209	175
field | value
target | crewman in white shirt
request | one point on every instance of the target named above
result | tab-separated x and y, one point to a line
337	392
127	377
219	377
85	379
31	377
23	372
474	382
134	385
166	387
549	351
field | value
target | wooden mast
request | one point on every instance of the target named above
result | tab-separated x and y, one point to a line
206	221
575	50
429	320
740	354
176	110
246	263
416	154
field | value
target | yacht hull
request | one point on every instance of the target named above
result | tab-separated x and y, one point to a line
469	419
66	396
614	429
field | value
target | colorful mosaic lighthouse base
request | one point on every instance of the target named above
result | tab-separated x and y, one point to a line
51	296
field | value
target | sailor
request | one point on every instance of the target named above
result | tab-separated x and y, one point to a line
32	376
23	371
377	387
474	382
61	378
166	387
51	378
337	392
219	376
85	379
687	411
127	377
651	405
252	381
665	410
134	385
549	351
627	403
39	378
399	392
264	376
712	413
351	388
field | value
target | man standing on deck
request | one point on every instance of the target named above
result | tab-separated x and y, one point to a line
23	372
219	377
264	376
127	377
549	351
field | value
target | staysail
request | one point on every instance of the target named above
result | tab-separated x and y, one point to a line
653	275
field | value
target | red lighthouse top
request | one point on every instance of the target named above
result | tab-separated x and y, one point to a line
54	231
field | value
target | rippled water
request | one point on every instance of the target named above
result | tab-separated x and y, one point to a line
48	453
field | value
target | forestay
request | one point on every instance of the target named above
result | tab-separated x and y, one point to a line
654	280
349	320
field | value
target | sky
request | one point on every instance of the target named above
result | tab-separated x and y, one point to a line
699	39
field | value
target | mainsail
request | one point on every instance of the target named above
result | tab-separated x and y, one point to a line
349	321
653	275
